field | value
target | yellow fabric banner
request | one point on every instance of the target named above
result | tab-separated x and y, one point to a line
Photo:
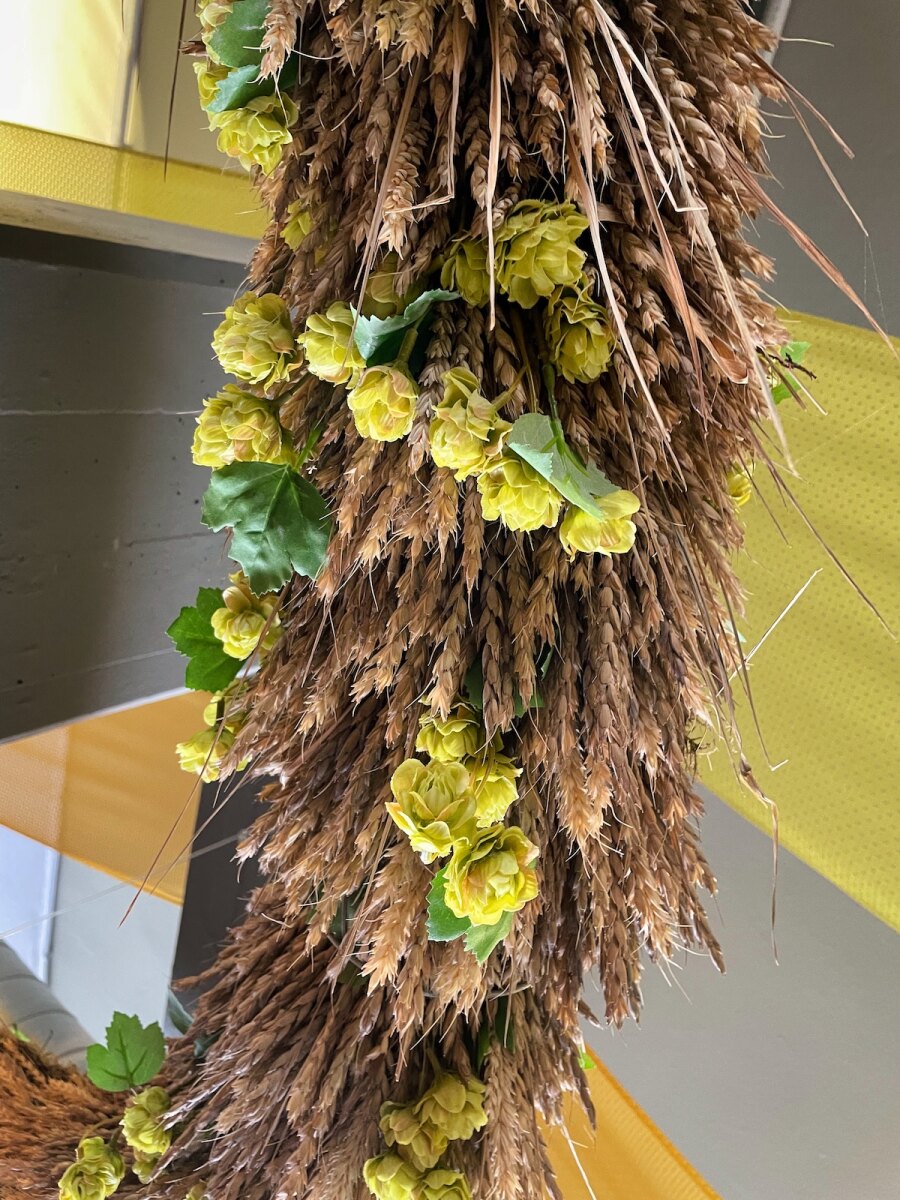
108	791
625	1158
824	672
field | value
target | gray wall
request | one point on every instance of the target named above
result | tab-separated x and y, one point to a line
854	82
778	1081
101	541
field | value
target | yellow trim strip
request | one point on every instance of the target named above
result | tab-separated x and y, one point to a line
625	1158
50	166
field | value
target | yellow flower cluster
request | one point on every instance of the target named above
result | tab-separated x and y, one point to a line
578	334
536	250
537	257
144	1131
329	348
382	398
246	622
466	429
236	426
465	270
452	805
297	226
255	341
256	134
383	402
204	753
739	482
96	1173
419	1133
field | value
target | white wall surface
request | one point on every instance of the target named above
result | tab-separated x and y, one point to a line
28	874
778	1082
99	965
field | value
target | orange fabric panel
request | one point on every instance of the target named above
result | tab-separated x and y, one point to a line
108	791
625	1158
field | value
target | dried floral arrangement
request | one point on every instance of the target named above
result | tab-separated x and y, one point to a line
502	376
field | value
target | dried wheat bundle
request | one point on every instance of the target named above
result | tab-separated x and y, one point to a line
409	145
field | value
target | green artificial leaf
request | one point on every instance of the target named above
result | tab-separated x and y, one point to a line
483	1042
796	351
520	708
280	521
203	1042
498	1029
480	940
379	339
585	1061
132	1055
791	354
210	669
540	442
442	924
243	84
473	685
178	1015
238	39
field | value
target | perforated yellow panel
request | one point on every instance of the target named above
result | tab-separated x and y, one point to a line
826	683
53	167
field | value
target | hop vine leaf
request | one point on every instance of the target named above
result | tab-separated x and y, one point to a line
238	39
280	522
540	442
209	668
132	1055
443	925
480	940
379	339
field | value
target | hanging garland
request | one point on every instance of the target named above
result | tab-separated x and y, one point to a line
502	380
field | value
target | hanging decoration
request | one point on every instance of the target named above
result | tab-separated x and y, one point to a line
502	377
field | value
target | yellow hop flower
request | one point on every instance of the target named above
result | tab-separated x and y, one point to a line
204	753
493	780
514	493
383	403
328	345
442	1184
459	736
454	1106
240	623
417	1140
388	1177
144	1165
197	1192
614	534
256	134
230	704
491	875
465	270
237	427
211	13
142	1126
536	250
381	299
297	225
740	485
578	333
466	430
255	341
433	805
209	76
95	1174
